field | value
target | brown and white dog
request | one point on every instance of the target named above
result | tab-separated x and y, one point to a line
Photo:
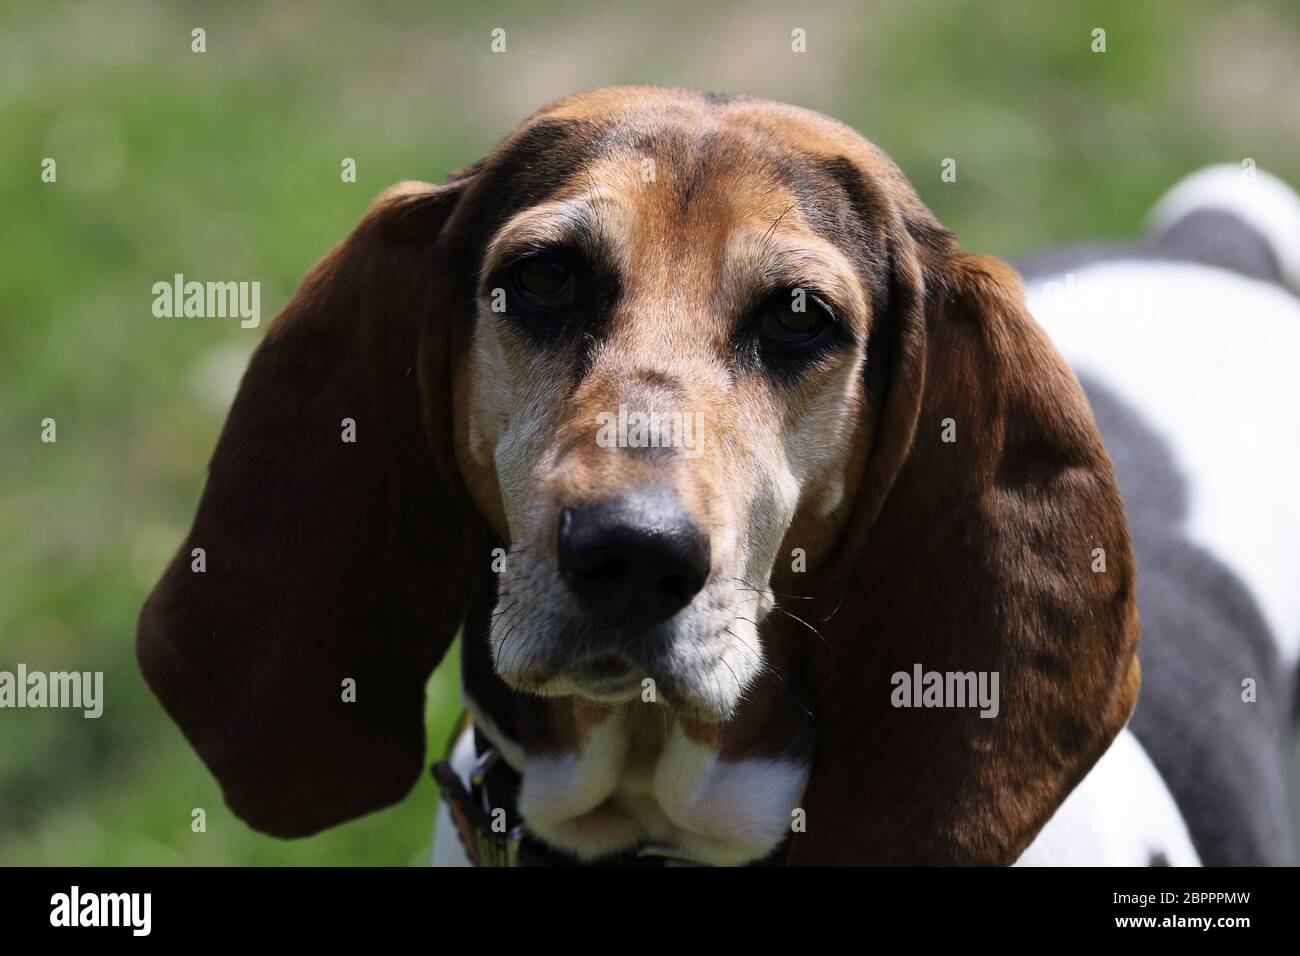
714	440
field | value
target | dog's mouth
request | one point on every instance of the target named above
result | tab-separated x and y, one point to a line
605	678
696	657
692	676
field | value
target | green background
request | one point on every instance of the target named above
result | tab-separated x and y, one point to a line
225	165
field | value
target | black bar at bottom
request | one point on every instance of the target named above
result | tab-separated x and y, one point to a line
460	908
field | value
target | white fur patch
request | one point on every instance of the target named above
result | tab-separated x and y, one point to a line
726	813
598	803
563	798
1122	814
1209	360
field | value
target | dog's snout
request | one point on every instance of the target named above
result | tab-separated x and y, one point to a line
635	561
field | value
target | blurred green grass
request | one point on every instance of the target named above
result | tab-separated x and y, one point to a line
226	165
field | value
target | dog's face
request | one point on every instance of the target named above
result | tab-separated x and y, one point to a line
689	358
662	402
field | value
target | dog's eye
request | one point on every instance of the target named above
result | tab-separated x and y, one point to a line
794	318
545	282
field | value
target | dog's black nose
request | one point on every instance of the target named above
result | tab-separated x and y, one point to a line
634	561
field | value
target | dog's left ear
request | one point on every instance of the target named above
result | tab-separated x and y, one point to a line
334	548
988	541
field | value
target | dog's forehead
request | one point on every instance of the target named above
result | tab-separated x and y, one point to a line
650	109
715	161
690	141
797	134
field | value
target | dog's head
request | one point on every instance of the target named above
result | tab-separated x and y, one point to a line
683	360
662	391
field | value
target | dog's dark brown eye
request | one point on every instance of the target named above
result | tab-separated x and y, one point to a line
545	282
794	318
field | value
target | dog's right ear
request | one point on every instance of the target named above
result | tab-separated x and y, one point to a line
972	553
334	547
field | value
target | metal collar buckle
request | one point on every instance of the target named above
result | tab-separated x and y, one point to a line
498	849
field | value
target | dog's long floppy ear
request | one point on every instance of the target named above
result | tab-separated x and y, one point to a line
336	544
988	541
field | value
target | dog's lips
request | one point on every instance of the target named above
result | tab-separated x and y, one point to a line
602	667
605	678
614	679
625	665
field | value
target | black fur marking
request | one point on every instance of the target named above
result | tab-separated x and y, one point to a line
1211	237
1202	632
